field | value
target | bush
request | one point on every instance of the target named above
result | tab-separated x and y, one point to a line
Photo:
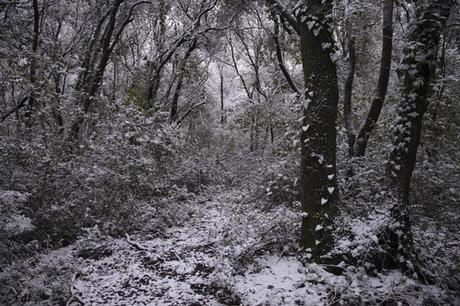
124	167
280	183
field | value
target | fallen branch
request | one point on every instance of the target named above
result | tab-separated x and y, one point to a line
208	245
136	245
188	112
74	294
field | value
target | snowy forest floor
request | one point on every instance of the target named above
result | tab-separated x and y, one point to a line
215	256
217	247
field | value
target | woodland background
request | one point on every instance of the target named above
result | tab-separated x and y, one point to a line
245	152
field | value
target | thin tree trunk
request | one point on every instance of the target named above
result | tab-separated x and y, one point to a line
347	99
154	79
33	60
251	136
154	86
183	65
279	57
272	138
56	109
172	81
256	135
92	82
382	84
222	114
115	74
174	102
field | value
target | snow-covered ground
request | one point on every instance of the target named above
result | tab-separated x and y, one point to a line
224	252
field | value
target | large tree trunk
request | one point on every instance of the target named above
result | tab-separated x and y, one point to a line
318	180
417	72
382	83
318	185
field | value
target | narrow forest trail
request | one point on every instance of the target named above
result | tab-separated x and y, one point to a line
170	269
196	263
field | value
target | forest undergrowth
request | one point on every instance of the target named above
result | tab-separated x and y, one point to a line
228	245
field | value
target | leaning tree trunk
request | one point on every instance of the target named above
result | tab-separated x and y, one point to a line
318	185
279	57
180	81
417	72
382	83
91	81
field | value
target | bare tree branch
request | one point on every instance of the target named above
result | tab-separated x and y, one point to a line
275	5
279	57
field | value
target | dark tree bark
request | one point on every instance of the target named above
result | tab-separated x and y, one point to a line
347	97
417	72
33	61
222	109
35	42
154	86
91	53
174	102
156	67
319	195
56	109
279	57
92	79
318	182
182	70
272	136
254	135
189	111
172	81
382	83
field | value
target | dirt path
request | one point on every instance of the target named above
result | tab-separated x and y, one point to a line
180	267
194	264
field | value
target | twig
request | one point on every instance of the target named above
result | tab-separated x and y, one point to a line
193	107
74	294
136	245
11	289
